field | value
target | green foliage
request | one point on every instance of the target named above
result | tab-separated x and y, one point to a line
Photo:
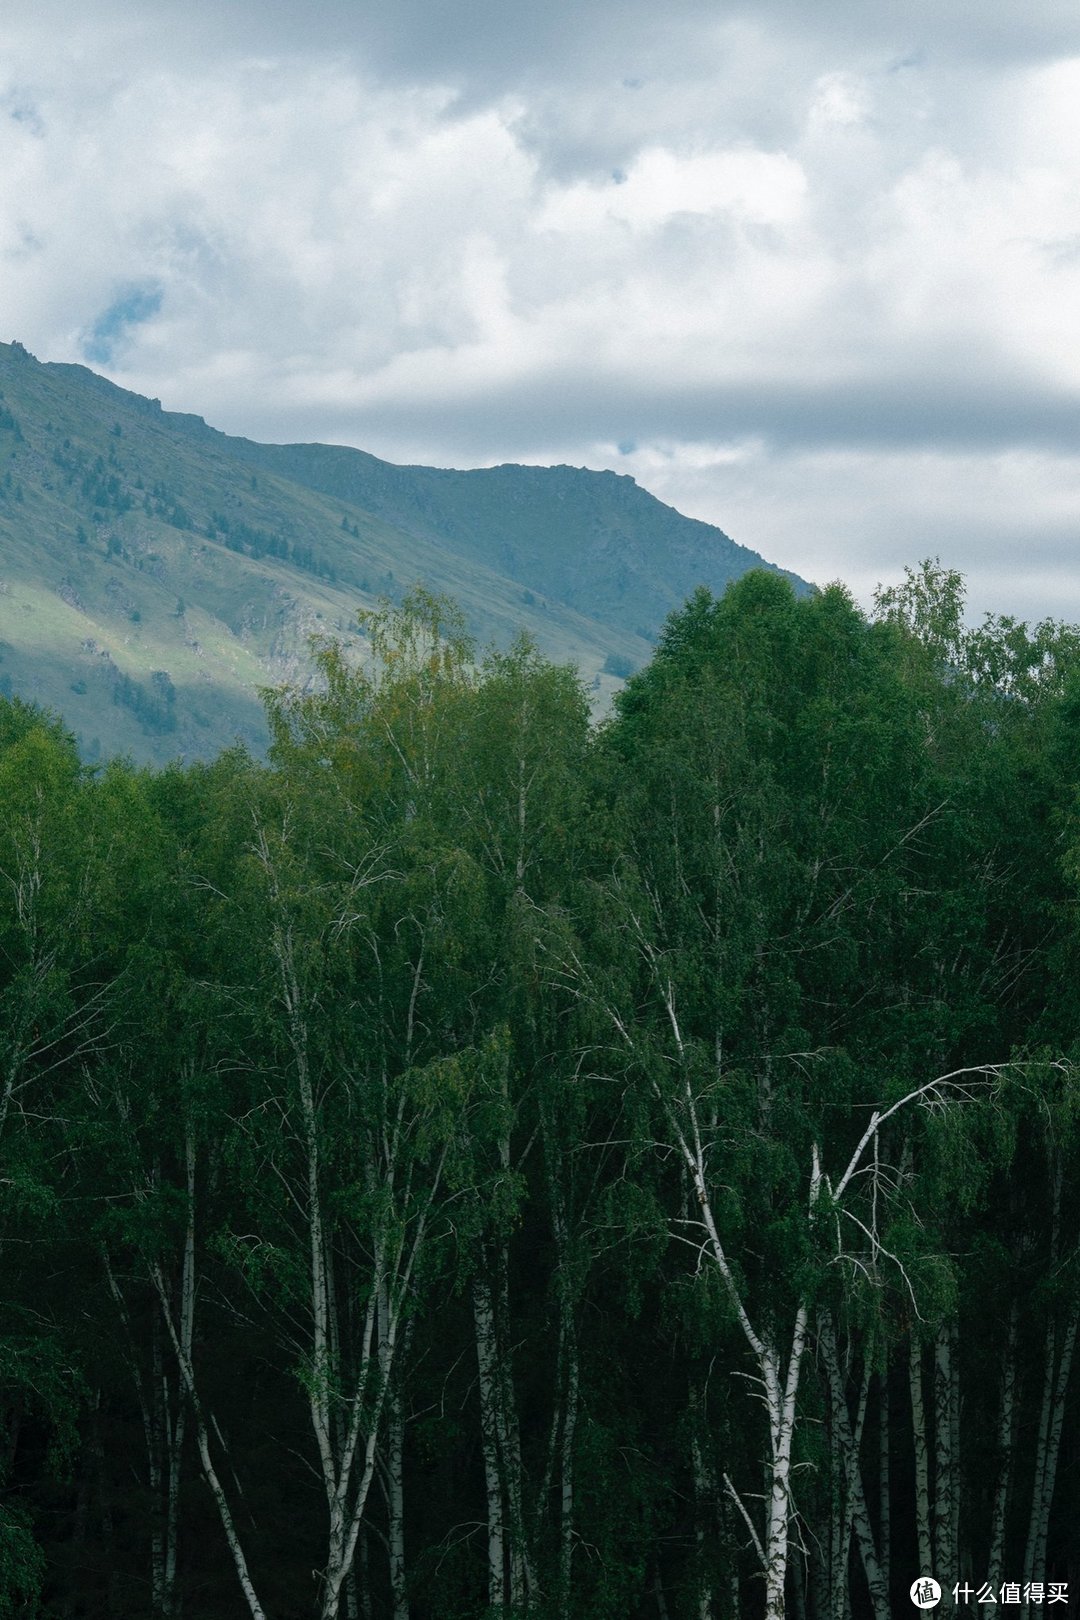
929	606
22	1563
432	1006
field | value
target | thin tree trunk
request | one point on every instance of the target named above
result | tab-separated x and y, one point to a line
202	1438
819	1580
348	1466
105	1506
731	1549
78	1527
837	1571
884	1485
179	1424
484	1322
564	1414
662	1609
780	1400
704	1507
780	1386
395	1497
395	1478
156	1418
855	1515
1006	1435
566	1521
848	1478
363	1581
153	1401
391	1293
944	1469
1051	1422
352	1593
957	1471
340	1432
798	1590
922	1461
153	1410
1050	1362
522	1579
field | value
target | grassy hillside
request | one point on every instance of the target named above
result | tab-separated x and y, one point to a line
155	573
594	541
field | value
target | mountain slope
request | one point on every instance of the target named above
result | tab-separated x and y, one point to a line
595	541
154	573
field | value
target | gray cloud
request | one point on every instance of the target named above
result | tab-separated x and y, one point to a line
489	40
813	267
924	413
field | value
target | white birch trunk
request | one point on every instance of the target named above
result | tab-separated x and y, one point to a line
855	1514
954	1420
1039	1492
484	1322
395	1497
1005	1438
780	1400
781	1385
158	1436
1052	1418
837	1561
1041	1445
944	1473
181	1337
884	1485
356	1466
395	1474
859	1513
157	1422
179	1425
565	1411
847	1475
522	1581
704	1506
566	1519
347	1459
202	1439
922	1460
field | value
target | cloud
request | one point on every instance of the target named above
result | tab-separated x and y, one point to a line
500	46
843	235
763	188
1008	520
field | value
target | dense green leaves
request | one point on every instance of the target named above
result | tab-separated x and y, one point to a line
419	1148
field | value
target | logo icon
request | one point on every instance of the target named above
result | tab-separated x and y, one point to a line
925	1592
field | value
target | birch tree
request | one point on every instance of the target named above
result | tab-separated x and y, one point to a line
798	794
53	1016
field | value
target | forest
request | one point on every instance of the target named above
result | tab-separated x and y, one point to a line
475	1164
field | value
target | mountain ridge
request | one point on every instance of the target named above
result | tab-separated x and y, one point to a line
155	572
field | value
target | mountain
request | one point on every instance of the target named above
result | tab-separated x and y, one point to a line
155	573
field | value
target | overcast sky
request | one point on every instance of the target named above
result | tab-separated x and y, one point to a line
808	269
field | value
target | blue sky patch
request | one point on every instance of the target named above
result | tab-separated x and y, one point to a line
133	306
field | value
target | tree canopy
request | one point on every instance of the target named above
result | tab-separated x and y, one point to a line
474	1163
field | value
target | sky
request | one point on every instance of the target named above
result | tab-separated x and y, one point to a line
809	271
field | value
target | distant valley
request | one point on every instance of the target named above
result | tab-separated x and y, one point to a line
155	573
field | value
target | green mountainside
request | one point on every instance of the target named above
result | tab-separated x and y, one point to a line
155	573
